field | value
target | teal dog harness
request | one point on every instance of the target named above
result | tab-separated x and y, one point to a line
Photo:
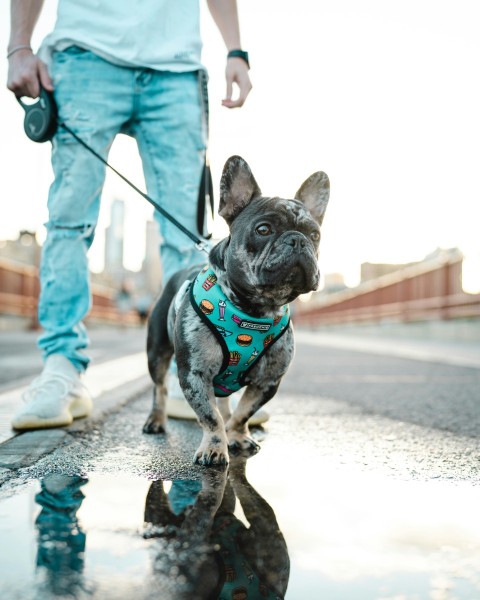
243	340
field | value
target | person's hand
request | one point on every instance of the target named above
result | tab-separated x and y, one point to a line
237	72
26	72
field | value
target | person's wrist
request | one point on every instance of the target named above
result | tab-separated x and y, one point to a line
237	53
19	47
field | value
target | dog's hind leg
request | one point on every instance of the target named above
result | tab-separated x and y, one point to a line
160	352
157	418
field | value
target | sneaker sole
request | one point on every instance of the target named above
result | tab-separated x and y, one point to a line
27	422
178	408
80	407
260	417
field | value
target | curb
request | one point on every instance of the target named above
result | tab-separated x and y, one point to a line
25	449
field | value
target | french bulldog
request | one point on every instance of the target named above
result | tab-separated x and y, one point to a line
268	260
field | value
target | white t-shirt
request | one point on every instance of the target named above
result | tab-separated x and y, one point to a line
156	34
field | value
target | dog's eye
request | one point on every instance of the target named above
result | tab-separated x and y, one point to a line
315	236
264	229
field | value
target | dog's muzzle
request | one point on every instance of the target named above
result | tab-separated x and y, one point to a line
296	240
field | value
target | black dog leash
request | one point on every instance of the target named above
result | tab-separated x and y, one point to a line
40	125
199	244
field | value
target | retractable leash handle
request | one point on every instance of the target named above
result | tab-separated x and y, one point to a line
40	121
40	125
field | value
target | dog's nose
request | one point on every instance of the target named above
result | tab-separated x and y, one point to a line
295	239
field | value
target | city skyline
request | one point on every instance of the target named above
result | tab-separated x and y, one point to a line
26	250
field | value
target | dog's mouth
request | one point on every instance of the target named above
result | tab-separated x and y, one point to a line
297	269
303	276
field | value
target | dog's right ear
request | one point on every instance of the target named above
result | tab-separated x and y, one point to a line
237	188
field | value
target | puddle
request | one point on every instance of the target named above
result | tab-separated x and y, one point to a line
342	534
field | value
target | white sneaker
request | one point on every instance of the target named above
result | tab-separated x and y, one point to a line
261	416
177	405
179	408
54	398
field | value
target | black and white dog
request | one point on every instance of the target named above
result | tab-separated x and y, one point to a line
268	260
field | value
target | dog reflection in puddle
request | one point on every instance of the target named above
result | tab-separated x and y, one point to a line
203	550
200	548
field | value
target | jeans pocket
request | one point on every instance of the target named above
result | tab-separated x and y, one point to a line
71	53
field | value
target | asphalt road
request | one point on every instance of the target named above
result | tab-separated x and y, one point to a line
430	394
369	467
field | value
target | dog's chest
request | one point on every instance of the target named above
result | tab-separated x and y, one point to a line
244	340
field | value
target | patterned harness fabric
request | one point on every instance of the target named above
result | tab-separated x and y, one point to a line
243	339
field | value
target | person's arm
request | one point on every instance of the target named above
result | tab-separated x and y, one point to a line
225	15
25	70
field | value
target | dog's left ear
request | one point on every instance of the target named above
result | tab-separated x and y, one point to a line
237	188
315	193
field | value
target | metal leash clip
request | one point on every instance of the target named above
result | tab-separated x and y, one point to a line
202	247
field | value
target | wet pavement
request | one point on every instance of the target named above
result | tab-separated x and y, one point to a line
367	486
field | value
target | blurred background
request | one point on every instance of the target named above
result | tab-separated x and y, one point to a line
383	96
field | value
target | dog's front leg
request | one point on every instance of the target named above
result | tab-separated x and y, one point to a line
199	357
238	434
213	449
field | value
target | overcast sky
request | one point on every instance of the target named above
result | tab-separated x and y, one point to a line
382	95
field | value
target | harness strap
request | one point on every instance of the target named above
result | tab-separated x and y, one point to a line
243	339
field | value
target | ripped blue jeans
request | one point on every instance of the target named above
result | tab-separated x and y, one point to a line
162	110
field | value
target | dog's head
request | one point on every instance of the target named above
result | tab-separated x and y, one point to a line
271	256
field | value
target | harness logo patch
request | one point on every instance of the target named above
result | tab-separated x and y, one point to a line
251	324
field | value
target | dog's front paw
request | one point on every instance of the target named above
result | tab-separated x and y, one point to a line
241	443
155	423
212	451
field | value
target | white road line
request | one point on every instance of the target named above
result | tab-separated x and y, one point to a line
113	373
99	378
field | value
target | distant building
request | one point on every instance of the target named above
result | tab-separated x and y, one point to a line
334	282
369	271
114	237
152	265
24	250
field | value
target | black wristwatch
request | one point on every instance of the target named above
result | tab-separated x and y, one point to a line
239	54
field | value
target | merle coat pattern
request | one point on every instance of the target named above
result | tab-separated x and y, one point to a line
268	260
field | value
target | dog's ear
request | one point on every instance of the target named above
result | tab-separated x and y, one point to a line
237	188
315	193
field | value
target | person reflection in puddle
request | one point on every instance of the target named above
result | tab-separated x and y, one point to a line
207	549
61	541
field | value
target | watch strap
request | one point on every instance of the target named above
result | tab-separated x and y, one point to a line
239	54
